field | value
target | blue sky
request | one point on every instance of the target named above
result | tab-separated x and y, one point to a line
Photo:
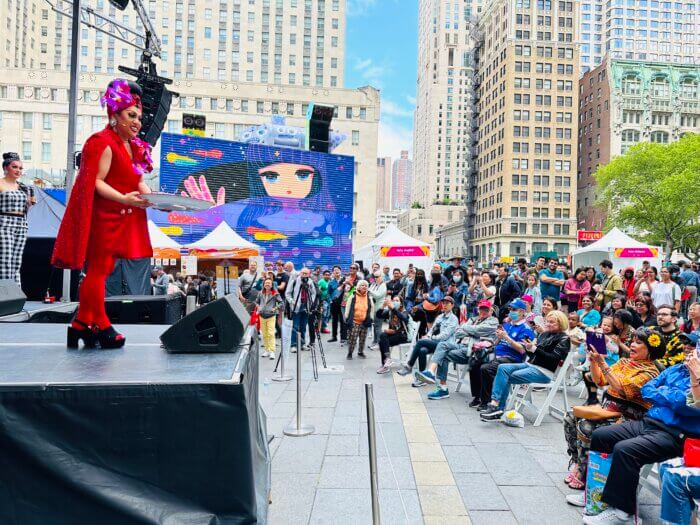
381	52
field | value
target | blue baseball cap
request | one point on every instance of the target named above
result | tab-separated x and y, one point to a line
691	338
518	304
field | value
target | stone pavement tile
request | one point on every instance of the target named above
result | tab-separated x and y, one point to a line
341	507
464	459
392	503
550	459
440	415
446	520
539	506
416	420
486	432
511	464
459	403
551	434
348	408
391	440
412	407
441	501
646	497
288	396
345	425
275	426
385	411
292	498
479	492
395	472
453	434
558	481
426	452
420	434
344	472
650	514
342	445
282	410
432	473
302	455
492	517
320	418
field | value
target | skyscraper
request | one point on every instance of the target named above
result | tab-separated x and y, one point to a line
401	182
643	30
525	184
383	183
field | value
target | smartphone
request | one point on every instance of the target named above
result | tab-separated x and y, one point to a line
597	341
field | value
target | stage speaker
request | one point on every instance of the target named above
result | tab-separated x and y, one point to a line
318	122
156	101
215	327
12	298
144	309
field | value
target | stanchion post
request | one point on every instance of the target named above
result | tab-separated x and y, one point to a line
372	442
283	375
299	429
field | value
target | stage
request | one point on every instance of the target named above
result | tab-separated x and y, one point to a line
35	309
134	435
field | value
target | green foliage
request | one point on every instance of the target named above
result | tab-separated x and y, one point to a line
654	189
416	206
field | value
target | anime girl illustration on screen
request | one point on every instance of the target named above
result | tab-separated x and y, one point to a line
281	199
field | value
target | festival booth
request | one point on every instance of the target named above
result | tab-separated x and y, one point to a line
619	248
395	249
163	246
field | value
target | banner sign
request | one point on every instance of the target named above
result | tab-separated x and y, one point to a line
636	252
404	251
588	235
189	264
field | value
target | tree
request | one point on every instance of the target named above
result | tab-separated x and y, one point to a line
416	206
654	189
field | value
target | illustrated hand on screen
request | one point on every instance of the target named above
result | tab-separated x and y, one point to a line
201	191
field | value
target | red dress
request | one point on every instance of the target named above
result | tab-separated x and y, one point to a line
94	225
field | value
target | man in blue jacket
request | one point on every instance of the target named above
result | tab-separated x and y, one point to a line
673	417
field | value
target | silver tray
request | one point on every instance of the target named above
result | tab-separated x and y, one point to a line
171	202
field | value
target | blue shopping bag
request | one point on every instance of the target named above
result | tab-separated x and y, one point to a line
598	470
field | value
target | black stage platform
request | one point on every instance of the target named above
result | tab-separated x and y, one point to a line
135	435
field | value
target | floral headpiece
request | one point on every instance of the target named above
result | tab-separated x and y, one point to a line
142	160
119	96
653	340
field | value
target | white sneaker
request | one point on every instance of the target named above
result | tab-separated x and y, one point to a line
608	517
265	354
577	500
373	346
272	356
384	369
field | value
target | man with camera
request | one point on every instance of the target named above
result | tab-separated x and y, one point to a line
301	298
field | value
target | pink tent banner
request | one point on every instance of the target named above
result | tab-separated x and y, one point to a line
636	252
404	251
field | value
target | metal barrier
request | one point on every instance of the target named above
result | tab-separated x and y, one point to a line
299	429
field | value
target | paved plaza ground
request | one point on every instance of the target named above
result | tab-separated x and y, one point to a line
436	459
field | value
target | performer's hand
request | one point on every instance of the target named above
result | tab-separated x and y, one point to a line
133	199
201	191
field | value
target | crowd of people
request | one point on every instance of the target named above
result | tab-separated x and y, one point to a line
516	326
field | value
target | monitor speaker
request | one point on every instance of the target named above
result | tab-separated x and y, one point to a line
319	119
215	327
12	298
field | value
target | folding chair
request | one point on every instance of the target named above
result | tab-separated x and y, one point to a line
405	348
522	394
649	479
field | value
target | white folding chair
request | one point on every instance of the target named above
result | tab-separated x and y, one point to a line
405	348
522	394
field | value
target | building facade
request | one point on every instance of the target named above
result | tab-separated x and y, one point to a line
385	218
401	174
424	224
296	42
624	102
643	30
443	101
449	240
525	193
383	183
34	122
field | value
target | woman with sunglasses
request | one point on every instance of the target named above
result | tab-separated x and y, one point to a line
645	309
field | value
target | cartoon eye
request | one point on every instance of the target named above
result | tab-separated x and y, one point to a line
304	174
271	176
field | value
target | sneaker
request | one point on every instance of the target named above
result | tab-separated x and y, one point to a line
348	357
293	350
492	413
439	393
482	407
373	346
361	355
475	402
265	354
333	340
577	500
608	517
385	368
404	370
272	356
426	376
418	383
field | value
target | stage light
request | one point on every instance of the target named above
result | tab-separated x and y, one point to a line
120	4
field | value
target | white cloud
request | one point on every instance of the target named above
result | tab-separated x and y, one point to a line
359	7
362	64
394	137
372	73
411	100
391	108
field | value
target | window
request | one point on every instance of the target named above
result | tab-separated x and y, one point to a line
689	88
355	137
47	121
260	106
28	120
660	87
348	112
45	152
26	150
631	85
659	136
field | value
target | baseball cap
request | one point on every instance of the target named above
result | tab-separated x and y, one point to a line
484	304
518	304
690	339
527	298
448	299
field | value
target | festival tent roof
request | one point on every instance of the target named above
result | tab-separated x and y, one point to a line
395	248
163	246
619	248
615	238
45	216
222	241
392	236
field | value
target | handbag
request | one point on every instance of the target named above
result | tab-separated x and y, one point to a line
691	452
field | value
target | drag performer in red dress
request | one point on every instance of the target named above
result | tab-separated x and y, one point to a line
105	219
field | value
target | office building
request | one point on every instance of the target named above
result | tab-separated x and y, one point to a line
525	186
401	182
386	218
624	102
383	183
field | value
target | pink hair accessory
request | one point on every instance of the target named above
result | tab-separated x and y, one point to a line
118	96
142	161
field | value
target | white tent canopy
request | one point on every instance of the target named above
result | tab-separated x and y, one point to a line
160	239
619	248
396	249
223	239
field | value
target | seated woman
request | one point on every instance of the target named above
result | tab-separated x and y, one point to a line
543	359
646	311
618	303
396	333
588	315
624	380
